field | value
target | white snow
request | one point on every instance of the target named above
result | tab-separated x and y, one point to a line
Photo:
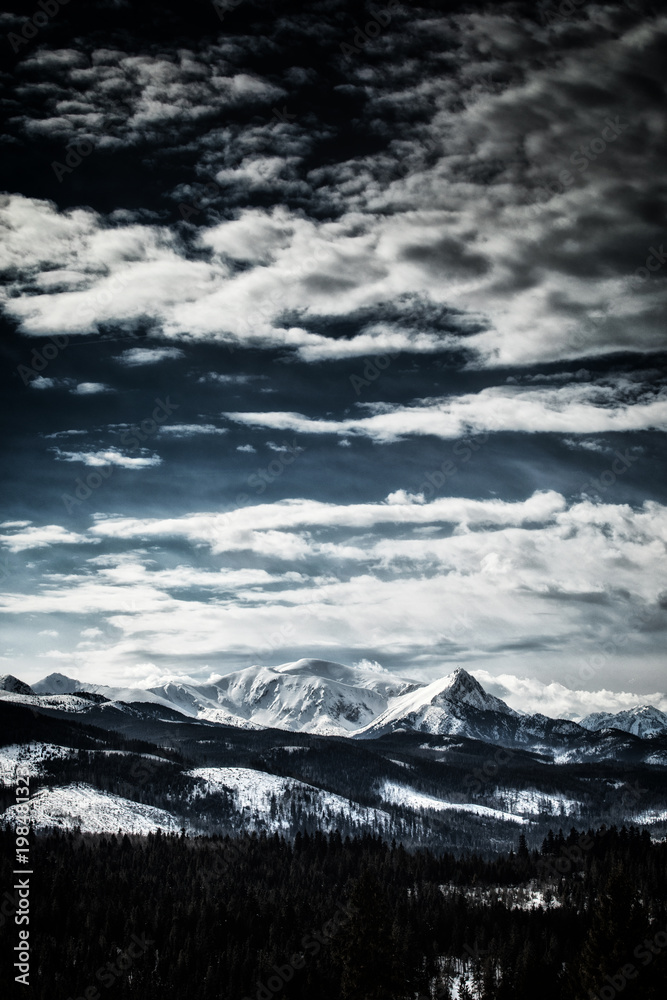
528	896
34	755
253	791
92	810
532	802
649	816
401	795
643	721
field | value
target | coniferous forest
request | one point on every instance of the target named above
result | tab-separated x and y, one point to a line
168	916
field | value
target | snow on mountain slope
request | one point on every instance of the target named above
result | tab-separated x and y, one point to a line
94	811
308	695
253	792
440	708
60	684
402	795
64	702
330	699
643	721
316	696
35	756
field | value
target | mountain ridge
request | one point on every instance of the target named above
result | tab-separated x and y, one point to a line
323	697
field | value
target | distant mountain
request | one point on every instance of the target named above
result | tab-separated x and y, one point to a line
325	698
315	696
643	721
57	684
14	686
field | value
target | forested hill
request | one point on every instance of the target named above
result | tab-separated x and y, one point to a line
167	916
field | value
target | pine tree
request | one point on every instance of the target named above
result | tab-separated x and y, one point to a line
617	924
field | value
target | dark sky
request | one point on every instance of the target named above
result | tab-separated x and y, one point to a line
336	330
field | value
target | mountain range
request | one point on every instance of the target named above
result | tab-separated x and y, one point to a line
318	745
330	699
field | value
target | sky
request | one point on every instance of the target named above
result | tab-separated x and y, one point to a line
338	331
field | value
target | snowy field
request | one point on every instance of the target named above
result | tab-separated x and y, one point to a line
92	810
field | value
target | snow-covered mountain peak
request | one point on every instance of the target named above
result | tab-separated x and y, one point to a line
56	684
462	688
643	721
12	684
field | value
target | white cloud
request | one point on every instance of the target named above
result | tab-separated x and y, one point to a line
90	389
43	537
110	456
454	211
190	430
575	409
137	356
557	701
539	588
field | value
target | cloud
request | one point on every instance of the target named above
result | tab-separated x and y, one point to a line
498	190
34	537
557	701
190	430
246	448
118	99
575	409
226	379
111	456
137	356
572	591
91	389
